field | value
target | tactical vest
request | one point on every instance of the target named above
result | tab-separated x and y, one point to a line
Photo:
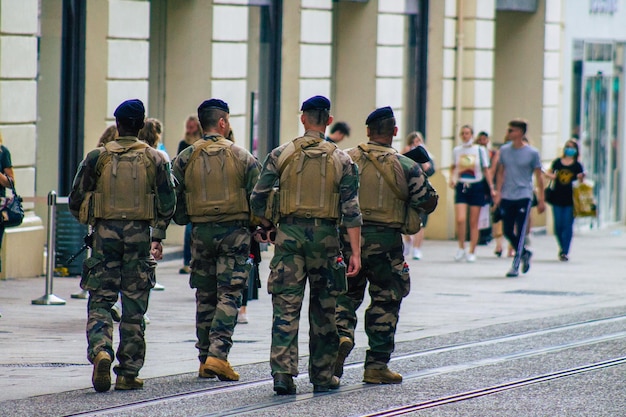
309	179
125	185
215	183
384	190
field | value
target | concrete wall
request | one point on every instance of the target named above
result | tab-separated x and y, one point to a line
22	247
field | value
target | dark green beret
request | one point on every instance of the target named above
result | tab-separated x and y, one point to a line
379	114
214	103
316	103
130	109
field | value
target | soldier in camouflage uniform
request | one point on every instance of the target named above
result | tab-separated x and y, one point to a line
220	237
381	252
123	255
307	246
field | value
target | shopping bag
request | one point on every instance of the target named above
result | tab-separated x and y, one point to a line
584	200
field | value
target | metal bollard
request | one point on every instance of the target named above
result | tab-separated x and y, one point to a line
49	298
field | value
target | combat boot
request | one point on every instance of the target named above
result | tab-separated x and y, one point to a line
334	384
283	384
203	372
345	347
381	376
128	383
101	376
221	369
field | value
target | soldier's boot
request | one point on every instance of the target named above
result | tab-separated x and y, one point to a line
283	384
334	384
345	347
128	383
203	372
101	376
221	369
381	376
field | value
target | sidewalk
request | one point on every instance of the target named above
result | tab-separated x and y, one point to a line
44	347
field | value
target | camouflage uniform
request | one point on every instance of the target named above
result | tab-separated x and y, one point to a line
382	265
219	271
121	262
306	248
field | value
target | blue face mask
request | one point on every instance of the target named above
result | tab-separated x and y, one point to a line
571	152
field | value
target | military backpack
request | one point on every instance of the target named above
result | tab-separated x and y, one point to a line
309	179
126	183
384	189
215	183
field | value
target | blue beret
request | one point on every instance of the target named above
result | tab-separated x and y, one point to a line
214	103
130	109
378	114
316	103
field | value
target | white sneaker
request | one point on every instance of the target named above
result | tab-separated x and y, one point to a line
242	318
406	248
460	255
417	253
470	258
158	287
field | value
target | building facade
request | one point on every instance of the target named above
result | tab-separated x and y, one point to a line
438	64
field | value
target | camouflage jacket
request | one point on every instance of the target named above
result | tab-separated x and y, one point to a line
180	162
87	177
348	185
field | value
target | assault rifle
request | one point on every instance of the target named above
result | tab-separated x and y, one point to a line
88	239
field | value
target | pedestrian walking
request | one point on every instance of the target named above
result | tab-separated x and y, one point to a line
413	243
318	189
122	189
193	132
559	194
384	206
469	168
514	178
215	178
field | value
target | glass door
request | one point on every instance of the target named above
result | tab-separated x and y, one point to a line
599	138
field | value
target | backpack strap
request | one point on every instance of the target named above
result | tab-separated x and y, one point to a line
365	149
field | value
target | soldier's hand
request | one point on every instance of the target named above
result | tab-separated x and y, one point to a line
354	267
265	235
156	249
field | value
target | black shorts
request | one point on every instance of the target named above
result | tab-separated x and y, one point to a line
472	194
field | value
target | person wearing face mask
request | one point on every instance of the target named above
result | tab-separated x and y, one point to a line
562	173
469	167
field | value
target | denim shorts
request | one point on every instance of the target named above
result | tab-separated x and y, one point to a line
472	194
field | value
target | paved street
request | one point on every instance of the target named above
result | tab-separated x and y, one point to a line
43	347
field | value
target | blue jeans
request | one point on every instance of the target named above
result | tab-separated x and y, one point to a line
187	245
563	226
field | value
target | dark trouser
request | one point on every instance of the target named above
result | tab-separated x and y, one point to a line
513	218
187	245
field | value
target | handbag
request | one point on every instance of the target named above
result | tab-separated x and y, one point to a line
12	211
548	193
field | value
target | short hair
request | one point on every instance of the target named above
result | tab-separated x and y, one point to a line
341	127
467	127
520	124
317	117
483	133
150	132
131	125
210	117
382	127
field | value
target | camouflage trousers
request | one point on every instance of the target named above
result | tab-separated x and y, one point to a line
382	265
301	251
120	263
219	273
